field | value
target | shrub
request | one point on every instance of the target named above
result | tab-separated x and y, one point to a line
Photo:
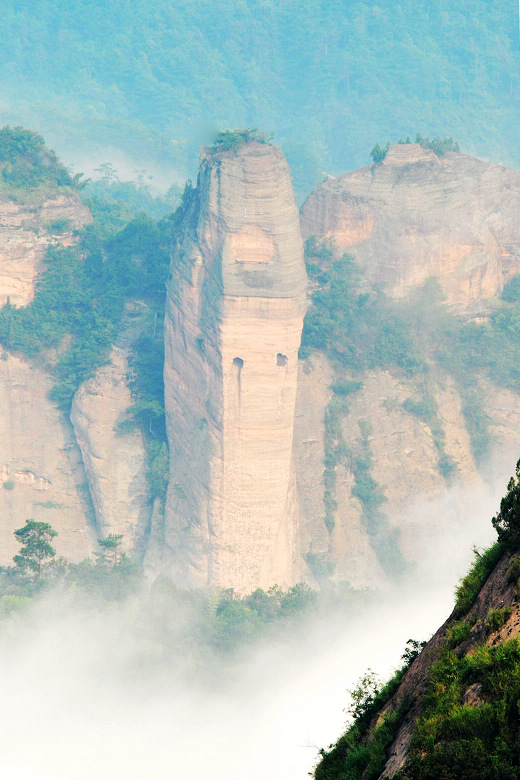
59	226
25	161
507	521
496	619
470	586
378	153
457	633
232	140
511	291
447	465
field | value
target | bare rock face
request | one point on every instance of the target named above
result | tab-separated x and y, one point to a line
114	459
417	215
26	233
41	475
420	504
235	306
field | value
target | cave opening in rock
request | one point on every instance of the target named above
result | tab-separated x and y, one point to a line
281	360
238	362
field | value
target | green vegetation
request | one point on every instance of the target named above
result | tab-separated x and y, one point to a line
470	585
426	409
134	196
233	140
361	753
336	451
153	81
438	145
383	538
514	571
80	298
470	721
362	330
507	521
27	164
198	626
496	619
378	153
36	549
458	632
356	329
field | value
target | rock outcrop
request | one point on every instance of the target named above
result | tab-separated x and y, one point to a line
41	473
419	504
235	306
26	232
416	215
114	458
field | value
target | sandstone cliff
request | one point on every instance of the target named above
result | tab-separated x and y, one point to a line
417	215
114	459
26	232
419	503
235	307
41	471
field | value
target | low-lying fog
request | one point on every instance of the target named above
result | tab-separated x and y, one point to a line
74	705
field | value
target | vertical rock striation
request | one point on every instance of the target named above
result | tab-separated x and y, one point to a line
235	306
41	475
114	459
417	215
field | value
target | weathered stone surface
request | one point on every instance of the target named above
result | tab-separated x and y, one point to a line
420	504
417	215
25	236
41	475
314	380
235	307
114	460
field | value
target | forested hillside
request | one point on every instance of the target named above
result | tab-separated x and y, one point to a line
329	78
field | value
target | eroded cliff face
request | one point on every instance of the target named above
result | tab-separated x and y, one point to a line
235	306
41	472
417	215
88	491
26	232
114	458
420	503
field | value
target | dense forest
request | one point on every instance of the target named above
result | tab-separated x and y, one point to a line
328	78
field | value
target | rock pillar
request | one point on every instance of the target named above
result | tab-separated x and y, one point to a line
235	306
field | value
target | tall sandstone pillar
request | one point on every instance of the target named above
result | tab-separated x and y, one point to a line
236	300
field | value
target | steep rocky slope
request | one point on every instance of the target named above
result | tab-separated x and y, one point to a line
416	215
114	459
452	711
88	491
413	216
236	301
419	502
41	470
26	232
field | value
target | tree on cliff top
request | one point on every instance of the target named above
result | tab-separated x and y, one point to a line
25	161
232	140
36	549
507	521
